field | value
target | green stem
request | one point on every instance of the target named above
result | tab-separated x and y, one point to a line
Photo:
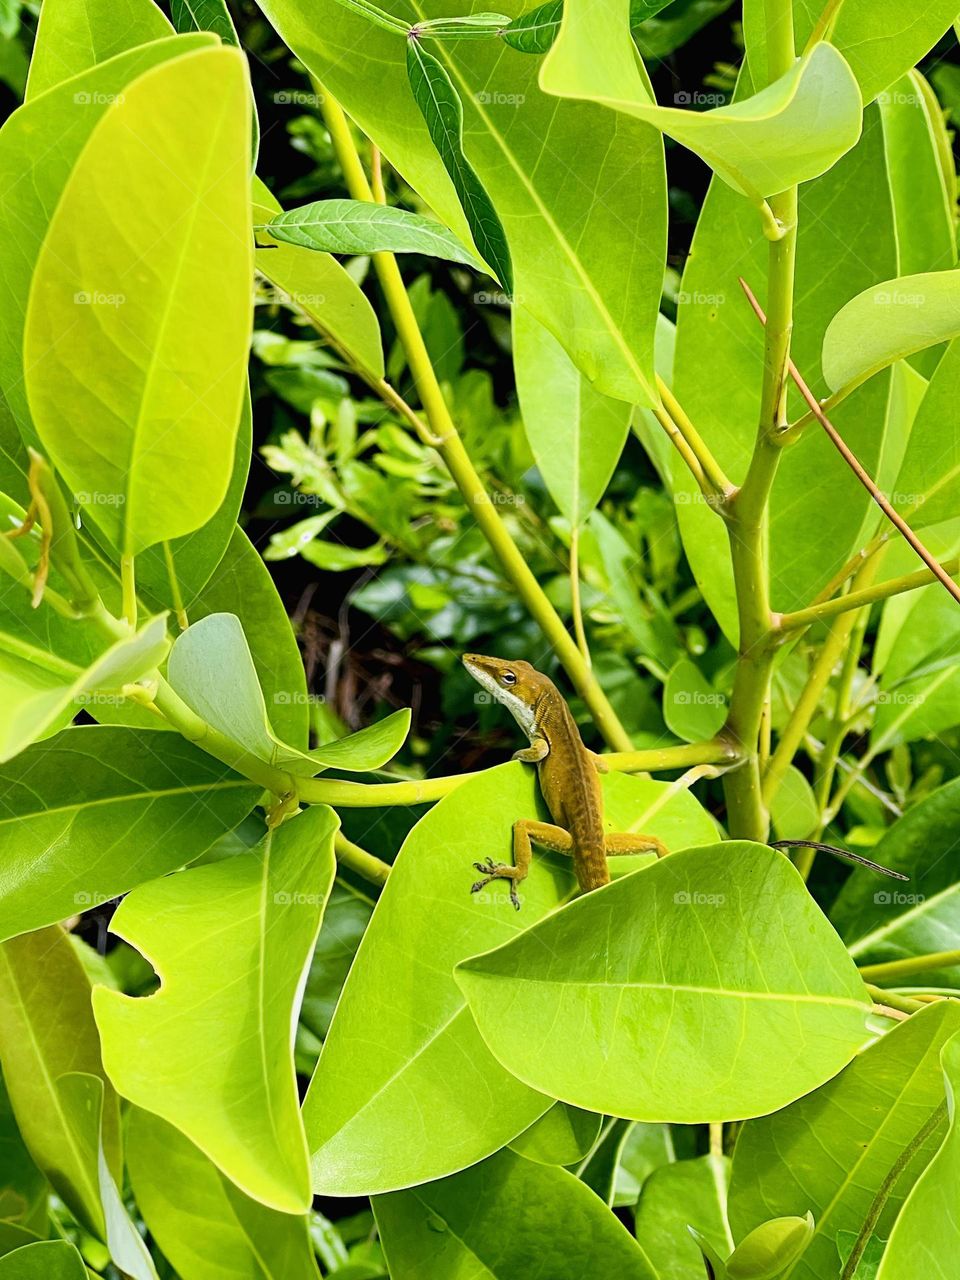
886	1188
710	476
808	703
175	593
858	599
457	460
576	603
128	586
358	860
903	1004
747	511
894	970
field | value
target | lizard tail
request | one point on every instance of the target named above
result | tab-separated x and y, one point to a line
592	869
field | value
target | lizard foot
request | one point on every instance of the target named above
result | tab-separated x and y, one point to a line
497	871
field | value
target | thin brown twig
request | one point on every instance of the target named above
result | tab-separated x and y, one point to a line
850	458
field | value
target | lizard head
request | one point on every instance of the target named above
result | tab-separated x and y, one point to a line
516	684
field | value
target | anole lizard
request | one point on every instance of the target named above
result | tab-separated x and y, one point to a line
569	781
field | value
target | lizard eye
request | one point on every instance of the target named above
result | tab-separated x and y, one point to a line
508	677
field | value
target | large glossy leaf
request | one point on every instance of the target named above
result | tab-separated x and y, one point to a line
32	178
881	39
47	1034
880	923
74	35
888	322
813	489
45	1260
843	1140
23	1188
205	1225
96	810
506	1219
317	285
140	291
688	1002
227	1079
587	256
683	1194
926	1236
38	687
575	433
352	227
405	1089
212	669
789	132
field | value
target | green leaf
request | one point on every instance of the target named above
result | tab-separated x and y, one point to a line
212	669
23	1188
575	434
204	15
39	146
228	1081
206	1226
75	35
587	256
196	555
869	1262
770	1248
813	489
344	922
881	39
888	322
881	923
677	1196
442	110
842	1141
789	132
405	1090
141	289
927	487
505	1219
536	30
45	1260
794	811
355	227
318	286
39	687
919	693
242	585
47	1034
926	1235
96	810
692	708
689	960
562	1135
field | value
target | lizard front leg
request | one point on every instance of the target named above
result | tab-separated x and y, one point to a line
619	844
526	833
538	750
